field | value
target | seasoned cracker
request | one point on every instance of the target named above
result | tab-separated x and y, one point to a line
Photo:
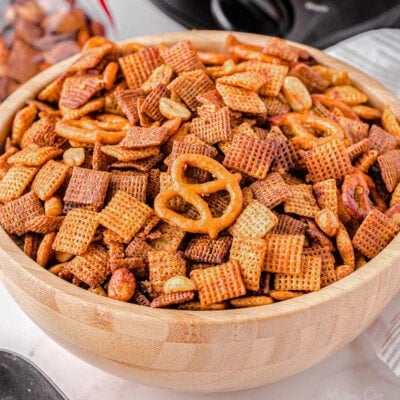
76	231
125	215
256	220
90	267
204	249
284	253
375	232
49	179
219	283
250	252
251	301
308	280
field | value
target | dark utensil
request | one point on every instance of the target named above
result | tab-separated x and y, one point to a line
21	380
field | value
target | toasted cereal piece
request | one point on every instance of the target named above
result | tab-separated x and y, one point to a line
356	149
280	48
189	85
164	264
140	298
284	253
143	165
140	137
52	92
137	67
389	164
326	194
389	121
219	283
15	213
367	112
162	74
171	237
15	181
332	75
45	250
214	128
328	274
91	57
395	199
196	306
343	270
256	220
31	244
328	160
132	183
77	90
288	226
311	79
150	105
76	231
169	299
125	215
250	252
354	130
138	247
127	101
90	267
308	280
44	223
22	121
240	99
182	57
271	191
283	159
110	237
212	97
87	188
251	301
281	295
296	94
178	283
381	140
348	94
204	249
127	155
34	157
49	179
115	250
375	232
251	80
250	155
134	264
275	106
153	184
302	201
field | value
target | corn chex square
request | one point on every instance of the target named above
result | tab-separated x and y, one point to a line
308	280
375	232
328	273
15	181
35	156
219	283
138	137
256	220
170	239
381	140
76	231
389	164
250	155
329	160
125	215
284	253
302	201
250	252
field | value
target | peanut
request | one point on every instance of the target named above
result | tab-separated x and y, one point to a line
170	109
122	285
63	257
74	157
327	221
178	283
53	206
296	94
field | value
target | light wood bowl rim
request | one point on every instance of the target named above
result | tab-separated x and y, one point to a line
353	282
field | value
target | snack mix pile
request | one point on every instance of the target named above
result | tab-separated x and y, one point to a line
38	34
171	177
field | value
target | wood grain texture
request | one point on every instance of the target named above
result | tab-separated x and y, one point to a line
201	351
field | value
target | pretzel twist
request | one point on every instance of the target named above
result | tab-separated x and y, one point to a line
192	193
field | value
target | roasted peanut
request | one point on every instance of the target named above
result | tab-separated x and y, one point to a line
53	206
63	257
178	283
296	94
74	157
122	285
327	221
170	109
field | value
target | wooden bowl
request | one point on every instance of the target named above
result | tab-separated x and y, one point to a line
201	351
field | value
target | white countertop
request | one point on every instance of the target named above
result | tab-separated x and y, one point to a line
353	373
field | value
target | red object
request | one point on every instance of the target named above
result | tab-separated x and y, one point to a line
104	6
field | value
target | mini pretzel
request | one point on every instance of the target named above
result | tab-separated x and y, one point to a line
192	193
355	195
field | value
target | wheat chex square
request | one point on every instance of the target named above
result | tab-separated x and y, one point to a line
133	183
204	249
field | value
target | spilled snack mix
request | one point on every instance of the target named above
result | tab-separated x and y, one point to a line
171	177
